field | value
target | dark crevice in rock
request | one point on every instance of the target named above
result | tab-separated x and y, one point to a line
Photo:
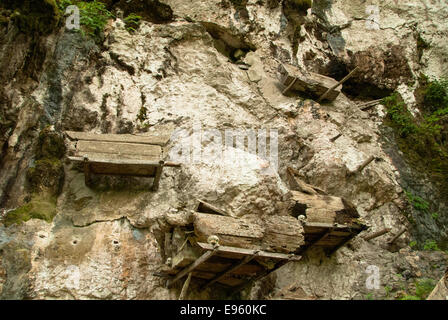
151	10
232	45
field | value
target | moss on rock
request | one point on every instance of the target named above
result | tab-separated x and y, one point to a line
50	145
41	16
46	176
40	207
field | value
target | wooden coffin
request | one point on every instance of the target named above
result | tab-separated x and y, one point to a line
312	84
117	154
273	233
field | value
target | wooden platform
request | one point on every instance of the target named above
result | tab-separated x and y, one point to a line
118	154
329	236
312	84
231	267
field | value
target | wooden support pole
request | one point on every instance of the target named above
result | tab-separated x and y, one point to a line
368	105
336	137
260	276
343	243
156	182
363	165
376	234
234	267
184	290
289	86
337	85
324	236
391	241
191	267
87	173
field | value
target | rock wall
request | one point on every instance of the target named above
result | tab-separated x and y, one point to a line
215	64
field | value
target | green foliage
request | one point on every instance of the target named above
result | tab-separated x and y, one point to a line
369	296
399	115
409	297
417	202
424	287
93	16
435	215
431	245
132	22
436	95
423	138
412	244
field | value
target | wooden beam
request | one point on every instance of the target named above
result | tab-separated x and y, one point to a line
117	161
289	86
234	267
333	226
315	242
336	137
184	290
191	267
337	85
368	105
159	168
397	236
343	243
250	252
87	173
127	138
210	207
363	165
260	276
376	234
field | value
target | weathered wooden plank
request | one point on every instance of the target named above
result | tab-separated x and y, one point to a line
336	226
327	93
207	255
123	169
205	207
325	208
184	257
240	252
184	290
128	138
231	231
115	161
234	267
106	157
282	234
310	83
152	151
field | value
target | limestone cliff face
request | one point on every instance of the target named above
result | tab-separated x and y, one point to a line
214	63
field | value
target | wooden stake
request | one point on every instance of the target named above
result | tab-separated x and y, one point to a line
87	173
289	86
376	234
337	85
336	137
183	293
363	165
368	105
156	182
191	267
397	236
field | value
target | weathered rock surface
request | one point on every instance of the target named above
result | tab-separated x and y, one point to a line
105	241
